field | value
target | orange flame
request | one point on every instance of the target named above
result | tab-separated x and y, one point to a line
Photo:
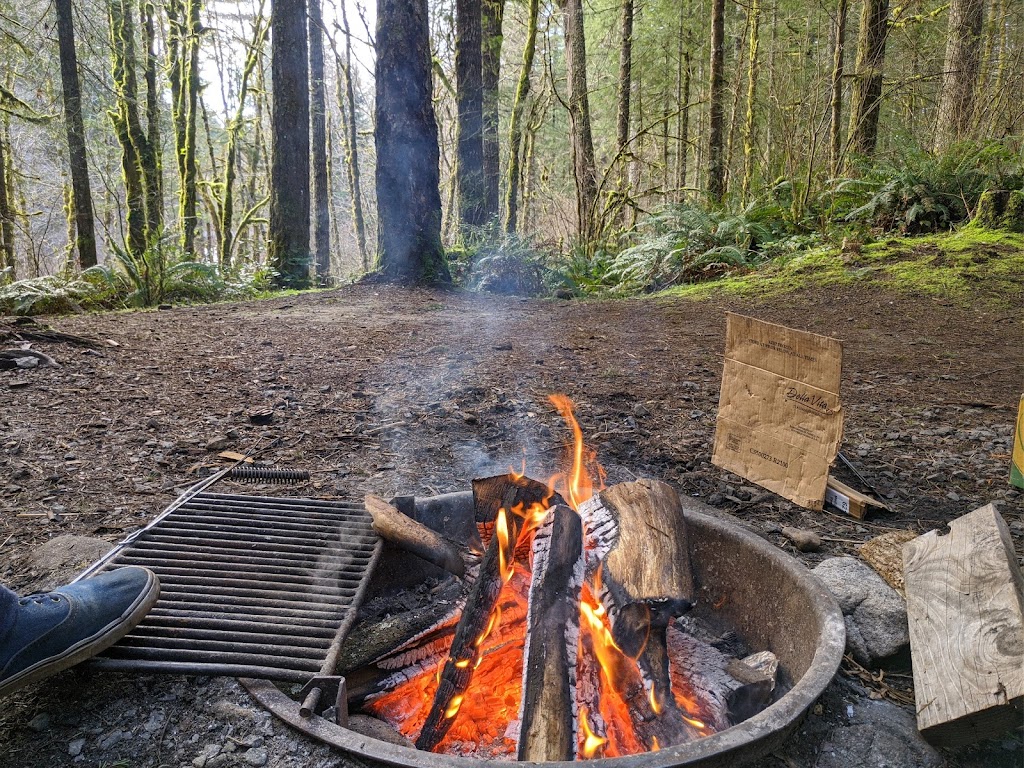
591	742
505	568
579	485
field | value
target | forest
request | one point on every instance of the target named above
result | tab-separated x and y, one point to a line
158	151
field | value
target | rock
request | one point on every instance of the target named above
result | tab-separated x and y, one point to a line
805	541
40	722
876	616
75	747
204	757
111	739
880	734
255	756
218	443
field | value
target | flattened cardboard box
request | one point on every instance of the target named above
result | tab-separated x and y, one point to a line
779	416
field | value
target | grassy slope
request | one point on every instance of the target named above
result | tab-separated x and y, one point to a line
971	265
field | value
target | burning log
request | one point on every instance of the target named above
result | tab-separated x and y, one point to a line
510	501
547	722
718	689
413	537
638	536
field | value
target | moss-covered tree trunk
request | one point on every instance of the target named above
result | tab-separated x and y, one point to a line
183	66
6	217
867	87
493	12
625	85
582	140
960	72
81	191
749	122
151	151
350	134
289	168
835	134
515	129
318	140
408	198
716	110
127	125
469	166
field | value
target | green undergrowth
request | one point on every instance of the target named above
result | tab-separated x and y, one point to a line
967	266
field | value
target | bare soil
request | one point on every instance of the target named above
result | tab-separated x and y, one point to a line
388	390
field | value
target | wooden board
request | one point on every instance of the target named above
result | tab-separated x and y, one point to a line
965	601
849	500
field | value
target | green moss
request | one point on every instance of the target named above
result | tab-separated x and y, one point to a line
967	266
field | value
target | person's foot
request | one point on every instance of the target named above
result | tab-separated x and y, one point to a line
56	630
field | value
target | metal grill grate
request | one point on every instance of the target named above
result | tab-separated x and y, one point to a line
250	586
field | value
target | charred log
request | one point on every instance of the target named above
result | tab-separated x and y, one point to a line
547	722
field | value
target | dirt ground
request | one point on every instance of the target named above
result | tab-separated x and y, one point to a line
388	390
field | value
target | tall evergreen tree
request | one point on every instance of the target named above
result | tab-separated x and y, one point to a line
493	14
289	168
408	201
716	106
867	86
81	192
960	73
318	138
469	167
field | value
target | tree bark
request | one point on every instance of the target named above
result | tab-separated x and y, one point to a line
469	166
318	116
183	64
835	140
408	198
81	192
515	130
289	172
624	85
153	167
867	88
960	72
6	216
716	112
584	165
347	102
749	124
493	14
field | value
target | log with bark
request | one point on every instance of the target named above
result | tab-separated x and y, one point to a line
414	537
547	709
640	553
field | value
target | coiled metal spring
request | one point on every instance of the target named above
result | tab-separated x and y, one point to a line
253	474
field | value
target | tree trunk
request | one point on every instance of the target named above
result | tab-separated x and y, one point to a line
515	130
749	124
6	216
289	171
81	193
716	112
493	14
835	141
318	114
351	137
584	165
227	206
126	125
960	73
867	89
408	196
625	83
152	166
183	65
469	167
683	145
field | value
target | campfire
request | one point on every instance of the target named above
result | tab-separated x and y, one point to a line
572	637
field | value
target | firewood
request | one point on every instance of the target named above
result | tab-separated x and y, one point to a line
638	533
510	497
547	725
413	537
965	594
719	690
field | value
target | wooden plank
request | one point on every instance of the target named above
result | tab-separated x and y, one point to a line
965	601
847	499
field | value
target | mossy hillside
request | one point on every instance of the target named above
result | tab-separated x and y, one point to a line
970	265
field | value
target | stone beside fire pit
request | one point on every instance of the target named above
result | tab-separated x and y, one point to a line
766	597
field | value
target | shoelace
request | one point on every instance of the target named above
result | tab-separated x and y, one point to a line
39	599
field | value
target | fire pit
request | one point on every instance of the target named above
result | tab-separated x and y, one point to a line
740	583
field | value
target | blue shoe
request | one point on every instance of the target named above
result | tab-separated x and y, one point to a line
59	629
